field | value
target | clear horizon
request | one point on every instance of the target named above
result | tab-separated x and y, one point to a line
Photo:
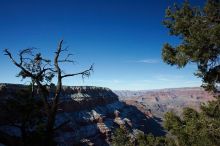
123	38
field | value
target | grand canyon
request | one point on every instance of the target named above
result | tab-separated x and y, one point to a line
93	113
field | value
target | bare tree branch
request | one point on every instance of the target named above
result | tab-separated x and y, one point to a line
85	73
19	65
23	52
67	59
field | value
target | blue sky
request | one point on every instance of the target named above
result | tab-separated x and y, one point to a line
123	38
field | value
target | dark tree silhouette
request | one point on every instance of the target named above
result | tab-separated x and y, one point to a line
41	71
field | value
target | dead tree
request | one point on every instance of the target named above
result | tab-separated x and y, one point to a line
41	71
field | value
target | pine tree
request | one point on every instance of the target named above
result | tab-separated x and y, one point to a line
199	31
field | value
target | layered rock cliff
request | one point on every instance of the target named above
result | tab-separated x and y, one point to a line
94	113
163	100
91	115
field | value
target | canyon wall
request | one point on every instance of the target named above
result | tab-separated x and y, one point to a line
91	115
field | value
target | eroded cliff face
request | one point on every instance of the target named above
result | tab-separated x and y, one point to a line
95	112
78	98
164	100
91	115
